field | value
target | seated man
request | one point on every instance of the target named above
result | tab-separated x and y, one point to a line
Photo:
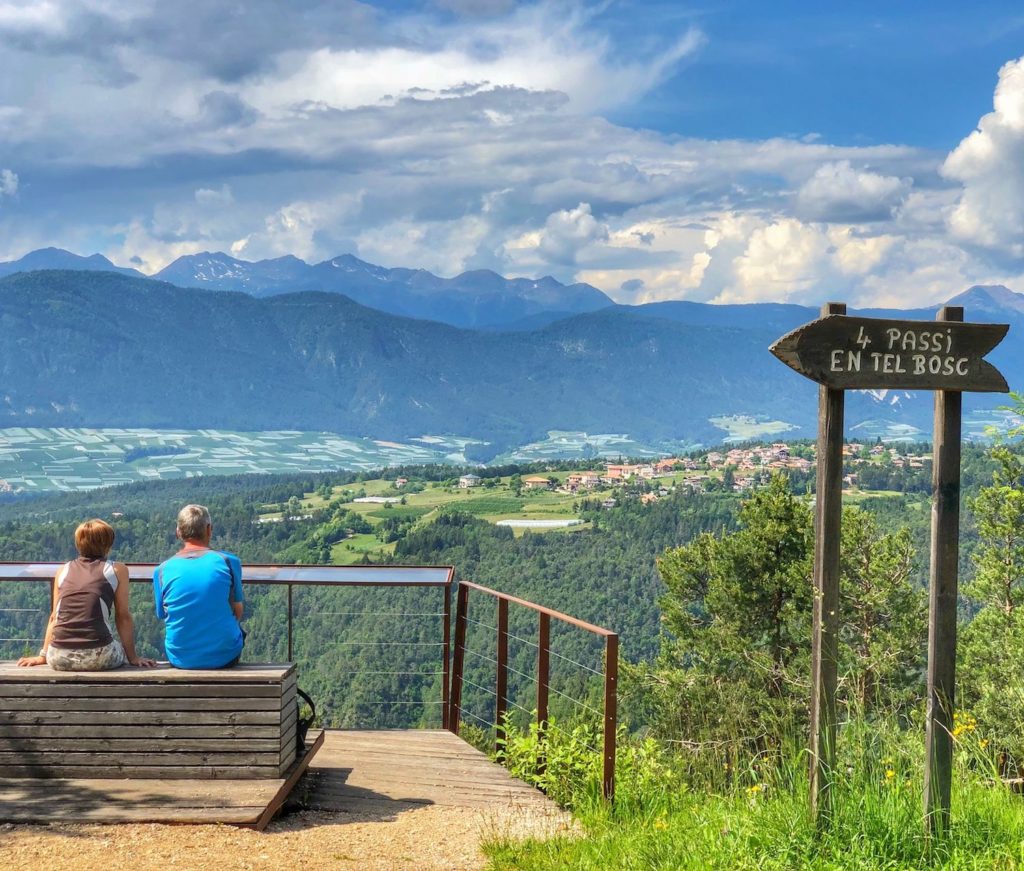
198	591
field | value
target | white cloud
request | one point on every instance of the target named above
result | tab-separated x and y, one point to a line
989	163
538	47
782	260
214	197
838	192
567	232
463	141
8	183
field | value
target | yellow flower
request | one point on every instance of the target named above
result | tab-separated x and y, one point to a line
756	788
660	824
984	743
958	731
889	774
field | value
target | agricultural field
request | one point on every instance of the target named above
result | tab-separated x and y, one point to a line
565	445
546	511
37	460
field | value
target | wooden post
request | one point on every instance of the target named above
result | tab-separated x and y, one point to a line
458	658
825	641
611	679
942	601
446	653
501	678
543	679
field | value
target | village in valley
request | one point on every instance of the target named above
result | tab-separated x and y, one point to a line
740	468
561	497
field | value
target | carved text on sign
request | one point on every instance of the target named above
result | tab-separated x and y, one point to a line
872	353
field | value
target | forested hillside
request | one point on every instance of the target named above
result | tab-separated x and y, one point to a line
322	362
605	573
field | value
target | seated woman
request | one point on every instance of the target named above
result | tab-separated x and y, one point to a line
78	636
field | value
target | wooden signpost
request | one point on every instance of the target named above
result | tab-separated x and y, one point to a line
850	353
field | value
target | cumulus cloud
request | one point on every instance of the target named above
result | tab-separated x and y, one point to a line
8	183
838	192
568	231
464	136
989	163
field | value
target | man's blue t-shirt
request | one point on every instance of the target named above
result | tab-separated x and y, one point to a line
193	591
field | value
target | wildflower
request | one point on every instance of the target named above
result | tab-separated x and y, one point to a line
889	774
755	789
660	824
984	743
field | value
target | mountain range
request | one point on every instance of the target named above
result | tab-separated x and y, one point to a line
92	347
473	299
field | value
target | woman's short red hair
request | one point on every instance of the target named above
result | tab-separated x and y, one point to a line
94	538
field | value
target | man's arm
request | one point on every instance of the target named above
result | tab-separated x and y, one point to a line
237	597
158	593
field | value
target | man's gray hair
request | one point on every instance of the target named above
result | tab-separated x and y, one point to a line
192	521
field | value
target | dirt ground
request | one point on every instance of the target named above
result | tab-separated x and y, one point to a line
425	838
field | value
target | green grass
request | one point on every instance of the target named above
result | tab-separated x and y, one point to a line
758	818
771	829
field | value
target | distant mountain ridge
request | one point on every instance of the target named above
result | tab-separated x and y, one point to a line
58	258
479	298
320	361
473	299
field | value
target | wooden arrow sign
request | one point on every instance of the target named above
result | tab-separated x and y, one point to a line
851	353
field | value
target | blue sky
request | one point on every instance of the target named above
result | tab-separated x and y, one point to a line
722	151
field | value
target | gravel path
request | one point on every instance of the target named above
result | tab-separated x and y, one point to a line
424	838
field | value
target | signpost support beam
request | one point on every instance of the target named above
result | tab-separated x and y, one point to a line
825	642
942	602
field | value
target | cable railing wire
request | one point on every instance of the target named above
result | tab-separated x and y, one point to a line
574	662
482	656
416	673
486	723
470	683
388	643
576	701
488	626
532	644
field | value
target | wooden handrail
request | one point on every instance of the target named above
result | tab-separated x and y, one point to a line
545	615
533	606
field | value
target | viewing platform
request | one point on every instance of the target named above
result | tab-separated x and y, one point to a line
354	772
174	746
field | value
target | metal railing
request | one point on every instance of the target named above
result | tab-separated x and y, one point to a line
452	658
290	577
609	673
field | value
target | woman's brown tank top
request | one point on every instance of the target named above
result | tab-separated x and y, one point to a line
85	596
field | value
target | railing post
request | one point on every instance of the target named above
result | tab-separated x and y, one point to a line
289	622
543	683
446	656
455	703
611	678
501	677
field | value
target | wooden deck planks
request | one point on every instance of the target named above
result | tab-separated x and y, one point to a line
362	771
376	773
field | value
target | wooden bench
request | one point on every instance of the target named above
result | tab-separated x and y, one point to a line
162	722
